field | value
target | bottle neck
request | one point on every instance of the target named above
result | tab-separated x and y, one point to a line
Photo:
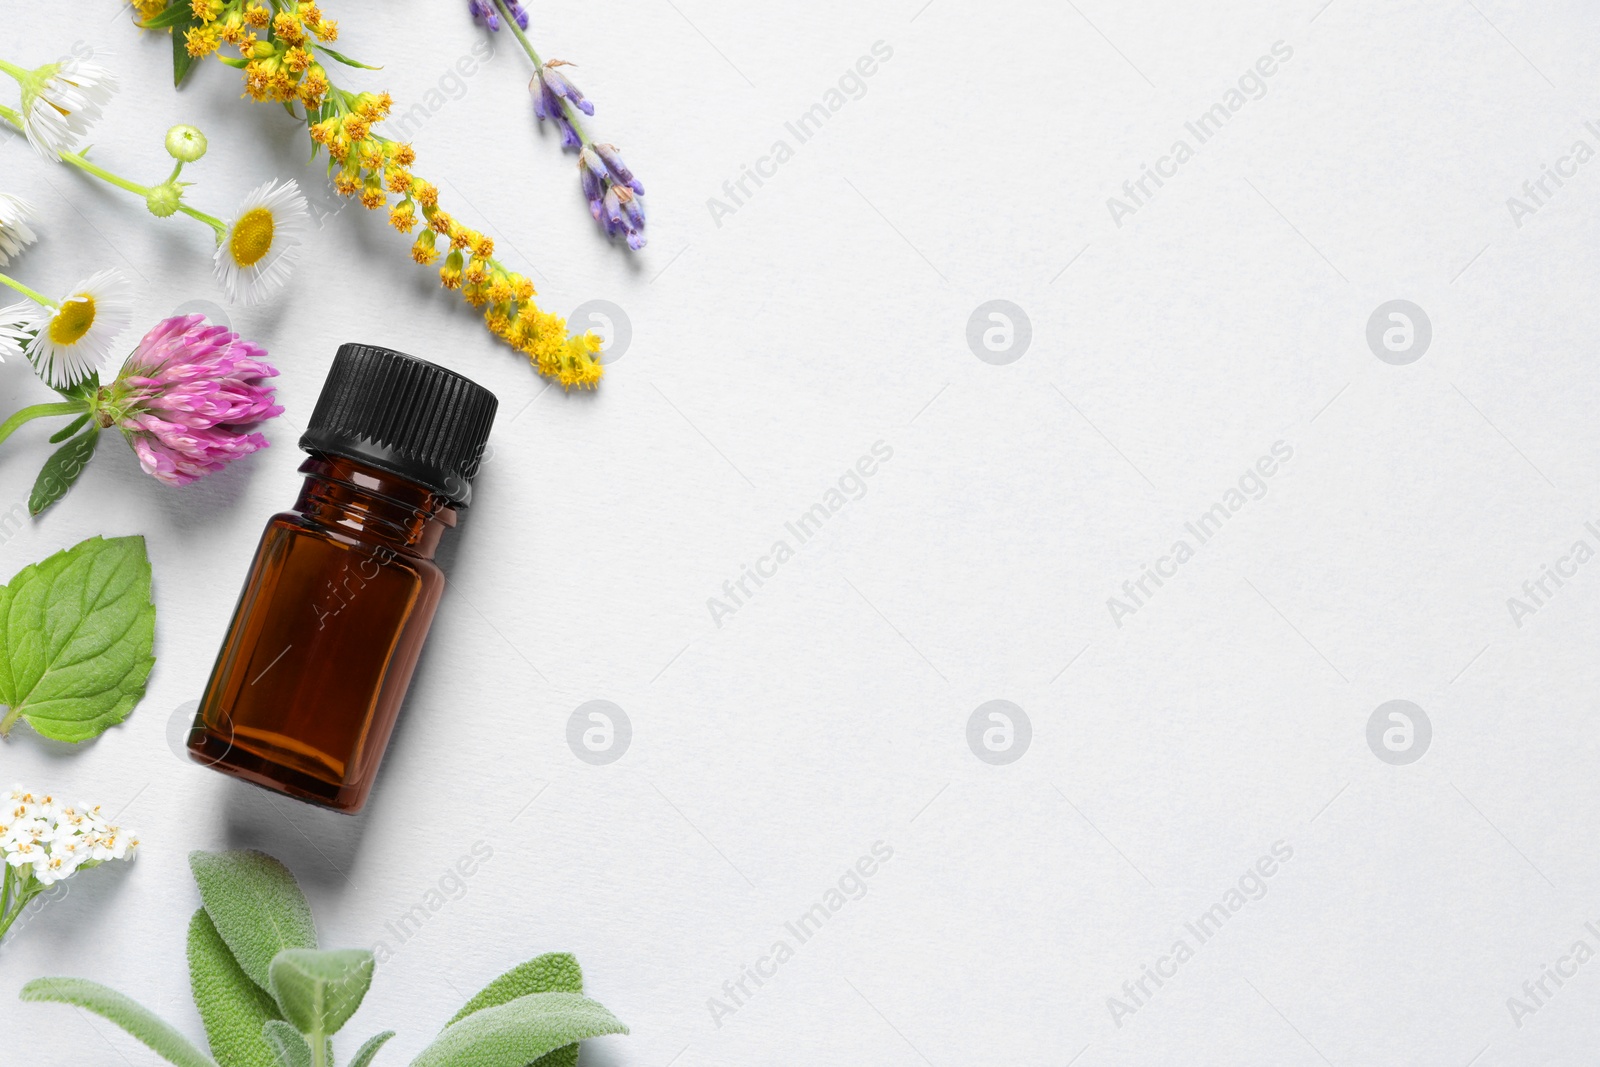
373	506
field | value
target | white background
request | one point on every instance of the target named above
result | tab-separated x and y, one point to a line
769	352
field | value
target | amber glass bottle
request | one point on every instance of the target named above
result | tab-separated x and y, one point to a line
338	602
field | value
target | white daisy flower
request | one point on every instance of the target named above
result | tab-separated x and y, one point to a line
262	242
15	233
74	339
60	101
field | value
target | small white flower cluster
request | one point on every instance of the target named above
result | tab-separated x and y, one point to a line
51	840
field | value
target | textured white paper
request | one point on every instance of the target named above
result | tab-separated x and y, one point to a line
779	334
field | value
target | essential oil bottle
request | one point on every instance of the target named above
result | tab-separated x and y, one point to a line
343	589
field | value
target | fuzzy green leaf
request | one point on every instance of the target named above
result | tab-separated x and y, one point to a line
554	972
256	906
365	1053
133	1017
320	990
62	469
76	635
518	1032
288	1045
233	1008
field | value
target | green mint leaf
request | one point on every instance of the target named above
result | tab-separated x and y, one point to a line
256	905
287	1044
76	635
319	990
133	1017
69	429
233	1008
62	469
365	1053
554	972
518	1032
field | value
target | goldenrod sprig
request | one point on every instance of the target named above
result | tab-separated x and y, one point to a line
282	46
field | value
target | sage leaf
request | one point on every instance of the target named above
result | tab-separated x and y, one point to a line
256	905
233	1008
133	1017
288	1044
319	991
519	1031
365	1053
553	972
62	469
76	636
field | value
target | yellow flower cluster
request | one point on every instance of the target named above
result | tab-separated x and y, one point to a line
277	47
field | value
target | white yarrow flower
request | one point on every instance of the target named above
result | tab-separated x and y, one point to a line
15	233
43	841
73	340
60	101
262	242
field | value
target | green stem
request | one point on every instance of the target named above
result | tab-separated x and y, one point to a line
215	223
79	160
516	31
527	46
28	414
32	294
19	73
23	888
319	1048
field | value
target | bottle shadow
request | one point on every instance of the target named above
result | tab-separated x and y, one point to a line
320	846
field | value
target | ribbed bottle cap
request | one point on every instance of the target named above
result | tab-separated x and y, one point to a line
403	415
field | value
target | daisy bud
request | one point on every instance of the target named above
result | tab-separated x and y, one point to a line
163	200
186	144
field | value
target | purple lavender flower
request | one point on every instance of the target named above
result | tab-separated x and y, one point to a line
547	105
613	193
516	12
608	185
484	12
557	84
619	170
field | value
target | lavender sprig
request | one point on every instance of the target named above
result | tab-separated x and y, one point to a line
608	185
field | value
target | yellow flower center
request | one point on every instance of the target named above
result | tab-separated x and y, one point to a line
252	237
68	325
